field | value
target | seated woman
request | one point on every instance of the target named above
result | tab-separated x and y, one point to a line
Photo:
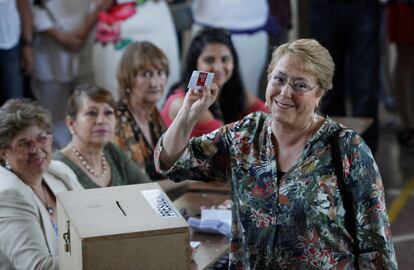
96	161
29	182
142	75
212	50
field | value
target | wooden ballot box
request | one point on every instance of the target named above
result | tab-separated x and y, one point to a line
126	227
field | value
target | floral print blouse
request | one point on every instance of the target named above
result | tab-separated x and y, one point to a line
132	141
297	221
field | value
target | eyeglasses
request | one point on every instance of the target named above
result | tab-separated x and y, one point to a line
297	86
42	140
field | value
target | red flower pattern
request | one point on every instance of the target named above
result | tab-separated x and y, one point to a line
108	26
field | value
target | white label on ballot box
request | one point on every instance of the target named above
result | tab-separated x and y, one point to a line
159	203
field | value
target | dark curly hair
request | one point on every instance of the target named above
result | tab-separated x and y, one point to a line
232	98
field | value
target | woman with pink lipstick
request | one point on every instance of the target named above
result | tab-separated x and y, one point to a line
306	191
29	180
212	50
96	161
142	75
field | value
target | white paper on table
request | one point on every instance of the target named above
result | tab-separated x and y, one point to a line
212	221
195	244
216	214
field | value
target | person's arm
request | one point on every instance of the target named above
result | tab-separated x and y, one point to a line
21	234
166	184
175	140
44	22
90	20
74	40
26	34
364	184
68	40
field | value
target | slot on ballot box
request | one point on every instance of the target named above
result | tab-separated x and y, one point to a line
124	227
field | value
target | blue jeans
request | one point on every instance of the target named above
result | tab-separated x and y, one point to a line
11	80
350	30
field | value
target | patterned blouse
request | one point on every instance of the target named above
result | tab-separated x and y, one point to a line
132	141
297	221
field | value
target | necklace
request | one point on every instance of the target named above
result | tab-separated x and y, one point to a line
48	207
86	165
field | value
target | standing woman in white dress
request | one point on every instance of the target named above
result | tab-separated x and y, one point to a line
143	20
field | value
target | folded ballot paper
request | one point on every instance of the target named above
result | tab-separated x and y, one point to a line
212	221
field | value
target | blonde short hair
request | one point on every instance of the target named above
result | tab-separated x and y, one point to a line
316	59
137	57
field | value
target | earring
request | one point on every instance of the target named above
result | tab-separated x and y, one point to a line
127	91
7	164
317	107
72	131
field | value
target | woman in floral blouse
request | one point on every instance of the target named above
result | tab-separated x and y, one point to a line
142	75
288	211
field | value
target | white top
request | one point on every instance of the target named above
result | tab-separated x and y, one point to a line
9	24
231	14
28	239
53	62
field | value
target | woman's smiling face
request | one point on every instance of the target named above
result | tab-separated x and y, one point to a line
30	151
217	58
289	107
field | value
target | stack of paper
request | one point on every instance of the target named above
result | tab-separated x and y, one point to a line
212	221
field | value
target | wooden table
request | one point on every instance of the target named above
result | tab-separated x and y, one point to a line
359	124
212	247
192	201
212	187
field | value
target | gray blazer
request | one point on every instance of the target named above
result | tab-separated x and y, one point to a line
27	237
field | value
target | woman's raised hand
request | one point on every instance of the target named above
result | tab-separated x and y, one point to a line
196	102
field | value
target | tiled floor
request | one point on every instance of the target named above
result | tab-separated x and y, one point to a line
397	169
